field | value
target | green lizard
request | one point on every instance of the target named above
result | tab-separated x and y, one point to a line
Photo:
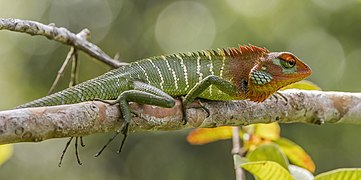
247	72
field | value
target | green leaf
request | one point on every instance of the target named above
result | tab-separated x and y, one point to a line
268	152
300	173
296	154
5	152
344	173
267	170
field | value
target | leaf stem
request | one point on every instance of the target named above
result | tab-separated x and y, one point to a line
237	150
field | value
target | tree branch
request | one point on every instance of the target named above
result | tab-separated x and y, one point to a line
61	35
315	107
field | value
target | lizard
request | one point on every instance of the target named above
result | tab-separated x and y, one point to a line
247	72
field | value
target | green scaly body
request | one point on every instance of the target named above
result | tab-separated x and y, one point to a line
173	74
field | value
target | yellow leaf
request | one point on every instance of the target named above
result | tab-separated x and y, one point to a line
269	131
260	134
5	152
296	154
304	84
201	136
267	170
344	173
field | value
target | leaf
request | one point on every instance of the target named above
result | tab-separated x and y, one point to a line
296	154
269	131
268	152
5	152
344	173
260	134
300	173
304	84
267	170
238	160
201	136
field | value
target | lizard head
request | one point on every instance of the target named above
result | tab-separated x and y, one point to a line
274	71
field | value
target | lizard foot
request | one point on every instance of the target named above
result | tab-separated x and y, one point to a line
192	106
124	131
200	106
76	149
278	94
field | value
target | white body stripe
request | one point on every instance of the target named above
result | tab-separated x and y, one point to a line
131	74
159	73
184	71
212	72
211	67
222	67
200	74
62	98
101	87
145	73
118	82
80	94
138	75
173	74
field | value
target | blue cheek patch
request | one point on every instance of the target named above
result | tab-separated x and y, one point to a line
260	77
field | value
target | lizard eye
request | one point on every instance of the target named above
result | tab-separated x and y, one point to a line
287	64
287	61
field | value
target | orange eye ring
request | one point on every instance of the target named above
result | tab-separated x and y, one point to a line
287	60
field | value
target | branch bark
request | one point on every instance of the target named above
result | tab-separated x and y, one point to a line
61	35
315	107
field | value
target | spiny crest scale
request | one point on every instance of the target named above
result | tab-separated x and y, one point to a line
245	50
209	54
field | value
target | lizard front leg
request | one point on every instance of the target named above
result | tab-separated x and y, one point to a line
223	85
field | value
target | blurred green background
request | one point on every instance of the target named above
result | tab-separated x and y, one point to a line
326	34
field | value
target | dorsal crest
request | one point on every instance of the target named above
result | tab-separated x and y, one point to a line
245	50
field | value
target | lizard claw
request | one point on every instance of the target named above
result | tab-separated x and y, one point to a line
200	106
124	131
135	113
276	94
184	111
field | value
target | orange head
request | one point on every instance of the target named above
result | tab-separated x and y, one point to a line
273	71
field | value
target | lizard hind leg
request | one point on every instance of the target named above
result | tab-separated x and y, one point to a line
142	93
